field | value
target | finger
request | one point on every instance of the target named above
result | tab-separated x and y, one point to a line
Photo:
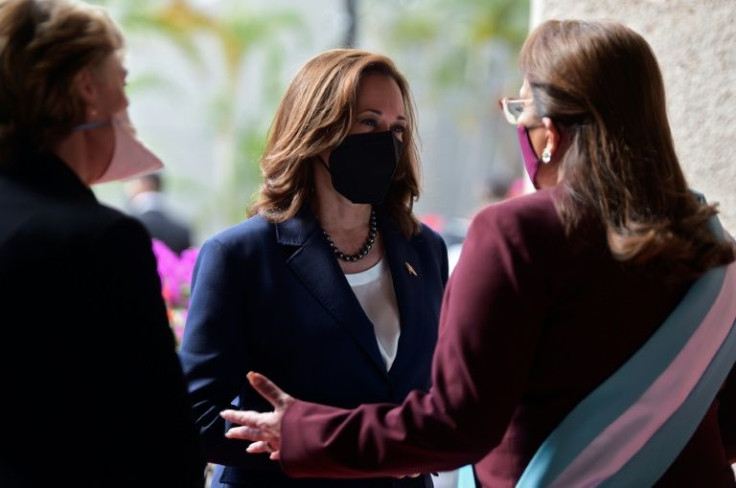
246	418
267	389
259	447
245	433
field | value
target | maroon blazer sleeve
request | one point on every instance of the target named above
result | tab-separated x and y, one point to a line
490	324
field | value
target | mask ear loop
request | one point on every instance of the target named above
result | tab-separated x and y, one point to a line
91	125
319	156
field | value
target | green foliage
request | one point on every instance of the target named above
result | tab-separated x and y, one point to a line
250	148
149	81
459	56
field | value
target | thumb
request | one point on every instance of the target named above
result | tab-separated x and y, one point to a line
268	390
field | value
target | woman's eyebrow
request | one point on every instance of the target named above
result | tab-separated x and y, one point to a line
378	112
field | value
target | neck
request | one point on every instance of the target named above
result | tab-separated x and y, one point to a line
73	152
339	216
350	256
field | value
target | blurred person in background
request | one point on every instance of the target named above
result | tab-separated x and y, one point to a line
332	286
495	189
587	333
146	201
85	330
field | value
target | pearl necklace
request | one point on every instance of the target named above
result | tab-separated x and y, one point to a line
372	231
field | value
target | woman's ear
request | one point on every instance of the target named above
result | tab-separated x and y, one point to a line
550	173
552	135
87	90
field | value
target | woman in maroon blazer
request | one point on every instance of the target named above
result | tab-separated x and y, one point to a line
553	293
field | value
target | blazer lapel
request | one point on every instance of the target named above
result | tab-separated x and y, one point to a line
316	267
406	273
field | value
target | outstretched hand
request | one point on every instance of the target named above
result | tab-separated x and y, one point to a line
264	428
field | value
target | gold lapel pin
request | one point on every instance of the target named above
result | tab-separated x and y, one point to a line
410	269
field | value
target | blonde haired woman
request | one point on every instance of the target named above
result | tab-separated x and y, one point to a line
332	285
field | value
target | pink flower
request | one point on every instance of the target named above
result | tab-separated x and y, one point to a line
175	273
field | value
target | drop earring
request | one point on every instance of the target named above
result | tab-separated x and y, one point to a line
546	156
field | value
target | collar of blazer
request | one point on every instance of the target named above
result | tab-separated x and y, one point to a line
296	230
50	175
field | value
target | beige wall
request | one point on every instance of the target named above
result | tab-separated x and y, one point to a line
695	43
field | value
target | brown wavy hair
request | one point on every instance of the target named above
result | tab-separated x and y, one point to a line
44	44
315	115
600	83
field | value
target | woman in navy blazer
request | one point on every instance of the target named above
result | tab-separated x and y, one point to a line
332	287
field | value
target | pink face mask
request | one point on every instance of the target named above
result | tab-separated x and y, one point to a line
531	160
130	157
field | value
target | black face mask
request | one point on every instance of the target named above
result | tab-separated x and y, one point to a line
363	165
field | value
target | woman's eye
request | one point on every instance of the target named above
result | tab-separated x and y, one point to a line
369	122
399	129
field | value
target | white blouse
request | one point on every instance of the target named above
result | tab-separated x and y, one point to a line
375	292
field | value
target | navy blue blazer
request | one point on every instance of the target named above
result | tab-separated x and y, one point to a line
272	298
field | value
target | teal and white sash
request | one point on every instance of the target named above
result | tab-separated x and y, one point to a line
629	430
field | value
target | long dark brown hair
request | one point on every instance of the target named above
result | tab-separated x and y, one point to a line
315	115
600	83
